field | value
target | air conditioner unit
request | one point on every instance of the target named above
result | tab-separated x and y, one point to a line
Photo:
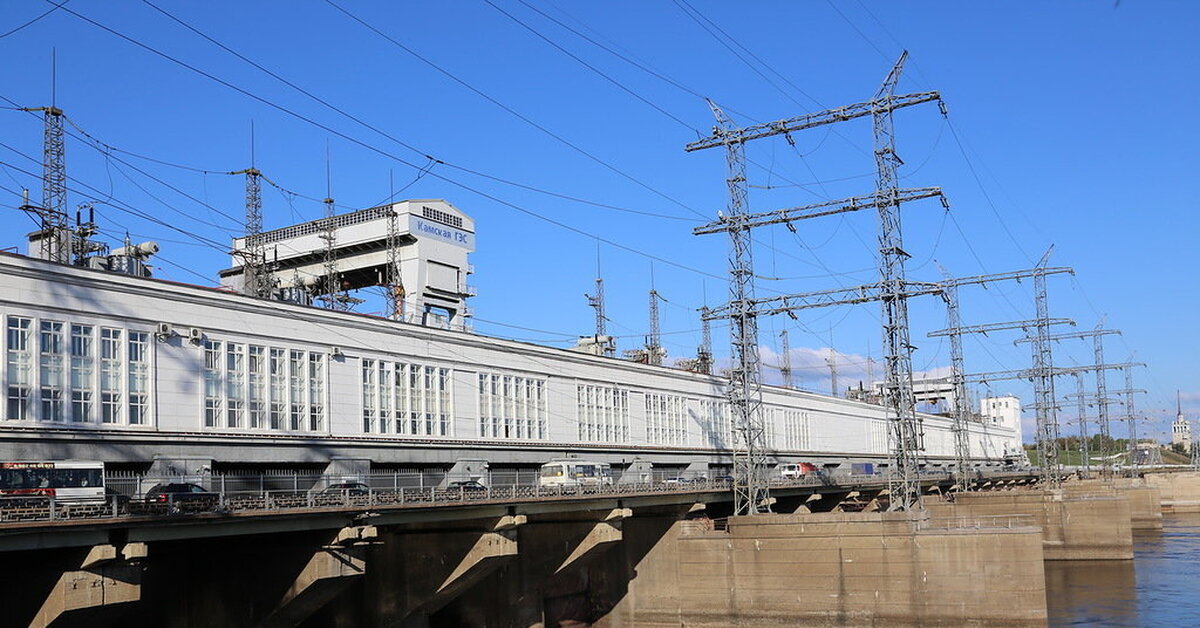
195	335
336	352
164	331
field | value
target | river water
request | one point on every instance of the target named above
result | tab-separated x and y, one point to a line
1160	587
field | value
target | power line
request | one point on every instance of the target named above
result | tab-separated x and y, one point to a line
384	153
512	111
35	20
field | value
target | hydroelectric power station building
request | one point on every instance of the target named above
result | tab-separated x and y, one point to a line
103	361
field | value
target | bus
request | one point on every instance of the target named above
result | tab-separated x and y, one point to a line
576	473
65	480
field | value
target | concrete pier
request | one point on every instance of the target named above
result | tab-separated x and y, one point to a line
1145	501
838	569
1075	526
1180	491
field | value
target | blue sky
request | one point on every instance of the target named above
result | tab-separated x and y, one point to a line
1070	124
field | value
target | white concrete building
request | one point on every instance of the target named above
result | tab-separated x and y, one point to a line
127	369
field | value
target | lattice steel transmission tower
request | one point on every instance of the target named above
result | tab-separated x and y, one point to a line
1195	446
785	360
892	289
955	330
1131	419
750	486
1084	446
1102	399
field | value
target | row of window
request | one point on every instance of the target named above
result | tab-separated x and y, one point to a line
74	373
66	372
666	419
796	430
603	414
257	387
406	399
511	406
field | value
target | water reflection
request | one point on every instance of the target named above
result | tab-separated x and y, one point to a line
1158	588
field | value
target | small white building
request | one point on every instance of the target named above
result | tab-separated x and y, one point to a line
1003	414
432	238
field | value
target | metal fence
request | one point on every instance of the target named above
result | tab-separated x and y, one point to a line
133	494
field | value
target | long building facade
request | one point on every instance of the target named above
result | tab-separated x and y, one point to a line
125	369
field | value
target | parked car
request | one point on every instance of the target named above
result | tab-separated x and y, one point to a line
467	486
353	489
180	497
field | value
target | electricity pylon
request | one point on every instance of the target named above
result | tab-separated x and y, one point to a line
955	330
1102	400
892	289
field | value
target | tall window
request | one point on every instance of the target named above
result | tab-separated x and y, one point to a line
257	387
370	395
406	399
257	383
110	375
235	384
83	373
296	390
666	419
796	428
603	414
316	392
715	419
278	388
20	368
52	373
512	406
212	383
878	437
139	378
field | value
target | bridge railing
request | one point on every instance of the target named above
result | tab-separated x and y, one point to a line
245	493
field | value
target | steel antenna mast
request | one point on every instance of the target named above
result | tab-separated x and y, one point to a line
52	214
255	281
334	299
394	291
785	354
654	349
704	355
596	302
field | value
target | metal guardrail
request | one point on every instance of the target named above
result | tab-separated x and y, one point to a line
270	500
27	508
975	522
